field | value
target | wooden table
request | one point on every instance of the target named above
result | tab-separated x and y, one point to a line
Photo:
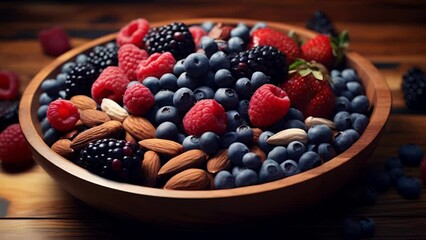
391	34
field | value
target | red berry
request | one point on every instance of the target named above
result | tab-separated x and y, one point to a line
14	148
156	65
268	104
320	50
138	99
111	83
62	115
54	41
205	116
129	57
133	32
9	85
197	33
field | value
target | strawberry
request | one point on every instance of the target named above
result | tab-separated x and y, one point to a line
270	37
309	89
327	50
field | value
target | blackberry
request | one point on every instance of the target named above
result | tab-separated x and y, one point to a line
266	59
174	38
414	88
113	159
79	80
321	23
103	56
8	113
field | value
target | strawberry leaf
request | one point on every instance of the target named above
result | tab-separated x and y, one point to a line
318	75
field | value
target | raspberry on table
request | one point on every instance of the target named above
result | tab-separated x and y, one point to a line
111	83
54	41
205	116
62	115
9	85
156	65
14	148
129	57
133	32
268	104
138	99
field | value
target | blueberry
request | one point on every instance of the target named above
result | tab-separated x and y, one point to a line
235	44
294	113
342	141
164	98
223	78
246	177
153	84
290	167
242	108
185	80
393	162
67	67
227	97
278	154
224	180
270	171
342	104
45	125
209	143
61	78
368	227
81	58
347	94
378	179
309	160
294	123
209	45
45	99
183	99
252	161
207	26
180	138
243	88
355	88
178	69
335	73
312	147
167	130
354	134
237	169
409	187
295	149
262	141
257	80
51	86
241	31
410	154
219	60
339	84
227	139
245	134
62	94
359	104
196	64
168	81
326	151
349	75
150	115
191	142
234	120
320	134
360	123
343	120
132	83
167	114
203	92
41	112
257	25
51	136
208	80
395	174
236	152
222	45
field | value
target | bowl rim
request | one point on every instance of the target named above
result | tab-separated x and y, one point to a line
29	102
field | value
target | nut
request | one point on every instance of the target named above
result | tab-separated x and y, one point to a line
190	179
62	147
190	159
256	134
219	162
256	150
139	127
220	31
162	146
114	110
93	117
83	102
150	166
129	138
310	121
105	130
286	136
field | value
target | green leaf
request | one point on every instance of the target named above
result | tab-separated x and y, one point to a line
318	75
296	64
304	72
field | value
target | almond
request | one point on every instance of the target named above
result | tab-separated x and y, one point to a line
310	121
83	102
114	110
286	136
162	146
139	127
62	147
190	179
93	117
130	138
219	162
256	150
256	134
150	166
190	159
105	130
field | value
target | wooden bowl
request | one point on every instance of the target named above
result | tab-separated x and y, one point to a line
208	207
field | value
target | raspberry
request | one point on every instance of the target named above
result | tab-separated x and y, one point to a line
267	105
133	32
205	116
129	57
9	85
197	33
156	65
138	99
54	41
111	83
13	146
62	115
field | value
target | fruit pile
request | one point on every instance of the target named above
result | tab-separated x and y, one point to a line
207	106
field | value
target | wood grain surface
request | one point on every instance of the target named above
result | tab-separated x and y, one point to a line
389	33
